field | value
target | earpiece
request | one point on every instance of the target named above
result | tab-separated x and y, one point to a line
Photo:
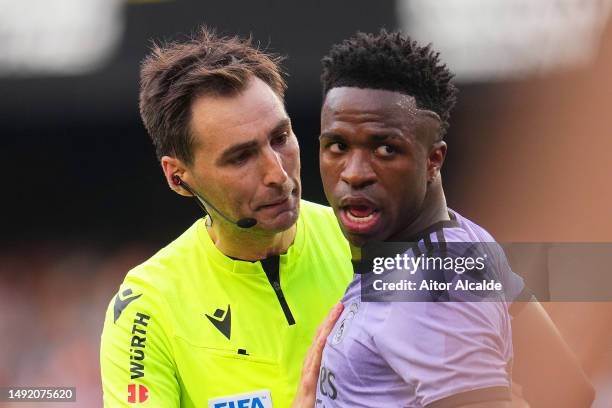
242	223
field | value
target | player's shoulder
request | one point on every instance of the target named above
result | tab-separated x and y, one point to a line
463	237
465	230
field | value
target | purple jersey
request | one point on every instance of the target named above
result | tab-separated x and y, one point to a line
415	354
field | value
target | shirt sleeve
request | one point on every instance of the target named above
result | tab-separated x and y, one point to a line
449	349
135	353
513	284
496	268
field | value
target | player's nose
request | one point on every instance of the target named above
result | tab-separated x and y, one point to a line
358	172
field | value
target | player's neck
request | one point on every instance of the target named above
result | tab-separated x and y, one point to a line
434	209
250	245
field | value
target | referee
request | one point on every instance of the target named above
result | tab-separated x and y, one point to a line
223	315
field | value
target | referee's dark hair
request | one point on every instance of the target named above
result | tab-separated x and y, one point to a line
394	62
175	73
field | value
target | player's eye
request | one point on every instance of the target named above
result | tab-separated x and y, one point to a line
337	147
385	150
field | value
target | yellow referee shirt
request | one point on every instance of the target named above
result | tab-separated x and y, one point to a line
191	327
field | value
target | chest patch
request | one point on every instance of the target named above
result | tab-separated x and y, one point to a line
345	323
254	399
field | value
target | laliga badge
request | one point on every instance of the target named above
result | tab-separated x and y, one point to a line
254	399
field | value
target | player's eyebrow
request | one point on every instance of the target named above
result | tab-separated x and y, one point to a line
377	137
386	136
329	135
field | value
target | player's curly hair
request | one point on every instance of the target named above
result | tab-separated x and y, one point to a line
393	62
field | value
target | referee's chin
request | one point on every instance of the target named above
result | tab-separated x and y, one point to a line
279	222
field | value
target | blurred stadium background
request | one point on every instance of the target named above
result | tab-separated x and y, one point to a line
530	148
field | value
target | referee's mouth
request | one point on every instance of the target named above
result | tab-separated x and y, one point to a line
359	215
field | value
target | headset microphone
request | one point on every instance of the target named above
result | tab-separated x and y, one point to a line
242	223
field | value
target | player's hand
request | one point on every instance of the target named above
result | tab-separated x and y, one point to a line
306	394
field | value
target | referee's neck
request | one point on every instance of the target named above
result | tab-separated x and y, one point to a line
250	245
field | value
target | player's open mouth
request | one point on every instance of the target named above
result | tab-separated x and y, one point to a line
359	218
360	213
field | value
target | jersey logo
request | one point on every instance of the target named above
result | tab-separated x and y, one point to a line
344	324
223	325
141	396
255	399
122	300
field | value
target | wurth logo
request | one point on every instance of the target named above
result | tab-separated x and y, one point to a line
137	393
137	351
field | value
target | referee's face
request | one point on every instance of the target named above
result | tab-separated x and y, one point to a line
374	161
246	157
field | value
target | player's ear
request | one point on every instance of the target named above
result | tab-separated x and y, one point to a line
435	159
172	166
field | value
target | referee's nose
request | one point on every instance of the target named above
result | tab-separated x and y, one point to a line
274	173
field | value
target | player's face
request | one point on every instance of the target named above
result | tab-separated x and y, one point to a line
246	157
374	148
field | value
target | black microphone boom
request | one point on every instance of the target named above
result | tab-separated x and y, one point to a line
246	222
242	223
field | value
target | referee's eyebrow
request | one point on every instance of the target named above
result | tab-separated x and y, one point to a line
227	153
283	124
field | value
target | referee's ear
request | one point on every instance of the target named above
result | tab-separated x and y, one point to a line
171	166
